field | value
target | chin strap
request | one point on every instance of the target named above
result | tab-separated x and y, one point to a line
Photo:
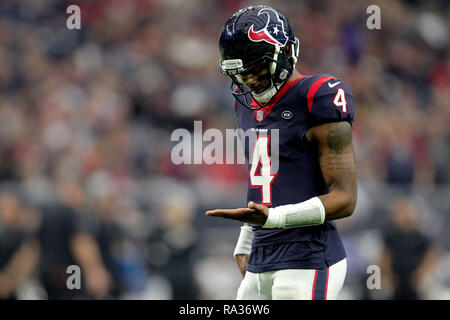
267	94
270	92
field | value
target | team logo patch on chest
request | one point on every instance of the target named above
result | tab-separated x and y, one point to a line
286	114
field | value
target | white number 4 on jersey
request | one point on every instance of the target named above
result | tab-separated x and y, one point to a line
265	178
339	100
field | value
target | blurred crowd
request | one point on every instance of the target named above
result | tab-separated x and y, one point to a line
86	117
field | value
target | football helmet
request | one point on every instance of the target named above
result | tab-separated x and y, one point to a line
253	38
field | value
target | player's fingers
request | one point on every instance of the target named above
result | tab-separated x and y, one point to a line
229	213
216	212
226	215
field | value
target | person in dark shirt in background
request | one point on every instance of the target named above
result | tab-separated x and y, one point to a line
175	241
408	254
67	238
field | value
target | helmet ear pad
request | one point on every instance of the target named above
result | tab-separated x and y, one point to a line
283	67
286	60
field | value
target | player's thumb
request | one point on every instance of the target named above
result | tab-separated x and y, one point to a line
252	205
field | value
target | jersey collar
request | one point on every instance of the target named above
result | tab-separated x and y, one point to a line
268	108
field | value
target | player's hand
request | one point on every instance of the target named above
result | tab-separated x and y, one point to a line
242	262
254	214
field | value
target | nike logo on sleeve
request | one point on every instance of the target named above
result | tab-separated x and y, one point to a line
332	85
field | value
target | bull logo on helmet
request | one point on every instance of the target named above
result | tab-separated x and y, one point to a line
273	32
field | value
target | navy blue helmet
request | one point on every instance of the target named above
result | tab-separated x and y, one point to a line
253	37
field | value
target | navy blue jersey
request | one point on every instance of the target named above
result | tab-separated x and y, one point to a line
284	169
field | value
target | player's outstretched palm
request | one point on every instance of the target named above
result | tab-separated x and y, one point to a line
254	214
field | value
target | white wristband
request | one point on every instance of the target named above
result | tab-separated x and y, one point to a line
244	244
304	214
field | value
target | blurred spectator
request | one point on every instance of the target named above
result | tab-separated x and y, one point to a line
110	239
172	247
66	238
18	248
408	254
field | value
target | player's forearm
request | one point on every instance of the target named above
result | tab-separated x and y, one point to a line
312	212
339	172
244	244
337	163
338	204
242	262
243	247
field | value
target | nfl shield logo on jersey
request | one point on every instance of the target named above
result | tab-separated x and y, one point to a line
259	115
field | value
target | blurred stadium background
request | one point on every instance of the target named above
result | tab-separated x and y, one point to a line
85	123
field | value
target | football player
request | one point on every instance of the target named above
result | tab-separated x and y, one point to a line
289	247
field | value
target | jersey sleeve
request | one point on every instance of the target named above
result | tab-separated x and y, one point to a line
329	100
